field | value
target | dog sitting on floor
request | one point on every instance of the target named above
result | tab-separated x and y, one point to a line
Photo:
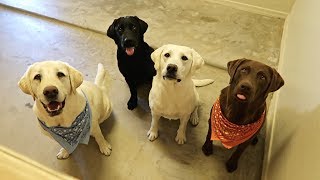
240	111
68	109
133	54
173	94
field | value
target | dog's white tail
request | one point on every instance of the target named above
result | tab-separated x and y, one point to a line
202	82
101	77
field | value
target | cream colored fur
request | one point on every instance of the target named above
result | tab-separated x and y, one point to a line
172	99
71	88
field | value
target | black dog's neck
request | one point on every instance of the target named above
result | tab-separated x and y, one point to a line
241	113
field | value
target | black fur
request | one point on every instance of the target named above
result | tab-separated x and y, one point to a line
138	68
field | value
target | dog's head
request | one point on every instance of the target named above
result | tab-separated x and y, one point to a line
50	82
250	80
127	32
175	62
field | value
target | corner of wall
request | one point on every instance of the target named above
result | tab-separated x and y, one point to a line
272	112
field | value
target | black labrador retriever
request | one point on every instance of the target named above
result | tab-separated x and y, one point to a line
239	113
133	54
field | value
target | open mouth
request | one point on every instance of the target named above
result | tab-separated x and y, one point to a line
170	77
54	107
130	51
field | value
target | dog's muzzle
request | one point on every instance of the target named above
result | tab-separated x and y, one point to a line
129	46
54	107
171	73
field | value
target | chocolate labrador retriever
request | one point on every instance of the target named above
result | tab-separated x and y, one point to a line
239	113
133	54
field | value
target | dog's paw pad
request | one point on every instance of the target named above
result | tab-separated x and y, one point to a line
152	135
181	139
62	154
106	149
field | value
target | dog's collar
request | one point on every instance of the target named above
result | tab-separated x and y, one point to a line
228	133
78	132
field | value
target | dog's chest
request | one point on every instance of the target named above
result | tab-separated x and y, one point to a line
172	105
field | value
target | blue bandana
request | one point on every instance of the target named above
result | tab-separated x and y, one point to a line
78	132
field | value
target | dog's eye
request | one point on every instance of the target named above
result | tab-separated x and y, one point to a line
167	55
262	77
134	28
184	58
244	70
60	74
120	29
37	77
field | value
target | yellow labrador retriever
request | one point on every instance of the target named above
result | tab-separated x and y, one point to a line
68	109
173	94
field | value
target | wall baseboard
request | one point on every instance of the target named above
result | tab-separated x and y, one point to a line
251	8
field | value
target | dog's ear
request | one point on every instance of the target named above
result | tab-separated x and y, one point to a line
111	30
276	81
156	57
232	67
76	78
24	83
197	61
143	25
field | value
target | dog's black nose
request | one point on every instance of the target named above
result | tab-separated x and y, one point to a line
172	68
128	42
245	87
50	92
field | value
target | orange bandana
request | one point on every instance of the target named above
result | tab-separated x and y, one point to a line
228	133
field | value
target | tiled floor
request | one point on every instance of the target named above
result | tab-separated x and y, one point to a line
27	38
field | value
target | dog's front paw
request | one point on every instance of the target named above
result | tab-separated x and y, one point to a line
152	135
181	138
62	154
194	119
231	166
207	148
132	103
105	148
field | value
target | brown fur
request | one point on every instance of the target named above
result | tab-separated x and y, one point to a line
255	81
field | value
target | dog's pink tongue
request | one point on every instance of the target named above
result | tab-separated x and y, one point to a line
54	105
130	51
242	97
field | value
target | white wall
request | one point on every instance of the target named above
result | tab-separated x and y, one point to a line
294	148
278	8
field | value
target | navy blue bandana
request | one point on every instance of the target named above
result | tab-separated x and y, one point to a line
78	132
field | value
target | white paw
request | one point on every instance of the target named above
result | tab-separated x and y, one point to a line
194	119
181	138
105	148
152	135
62	154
